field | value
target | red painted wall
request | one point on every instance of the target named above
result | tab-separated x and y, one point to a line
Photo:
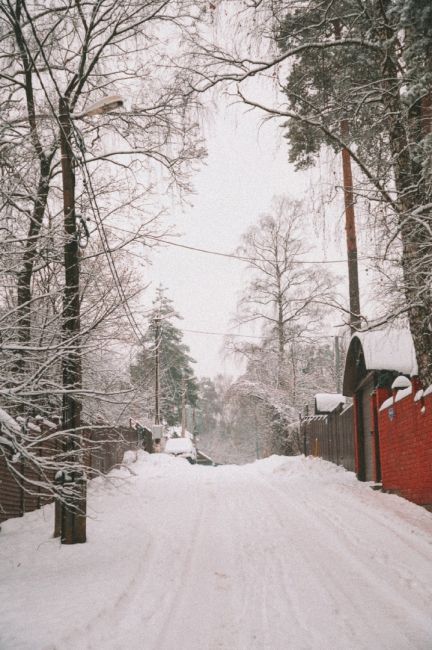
406	448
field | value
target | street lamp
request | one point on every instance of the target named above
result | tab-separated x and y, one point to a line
72	524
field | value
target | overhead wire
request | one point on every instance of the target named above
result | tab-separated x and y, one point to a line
234	256
252	336
87	181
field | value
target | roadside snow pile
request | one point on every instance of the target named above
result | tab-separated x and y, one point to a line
283	553
300	467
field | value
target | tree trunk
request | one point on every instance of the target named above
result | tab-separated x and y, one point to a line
404	135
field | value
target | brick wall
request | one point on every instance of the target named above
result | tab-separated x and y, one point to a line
405	432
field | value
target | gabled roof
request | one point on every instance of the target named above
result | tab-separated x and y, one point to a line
380	349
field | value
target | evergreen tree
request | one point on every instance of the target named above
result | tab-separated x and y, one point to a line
175	364
210	406
361	76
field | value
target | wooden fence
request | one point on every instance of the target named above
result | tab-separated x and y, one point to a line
22	490
330	437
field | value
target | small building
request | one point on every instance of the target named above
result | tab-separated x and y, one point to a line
374	359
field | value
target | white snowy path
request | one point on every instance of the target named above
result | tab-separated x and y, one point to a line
284	553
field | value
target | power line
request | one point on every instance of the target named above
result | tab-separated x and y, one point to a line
245	259
87	181
251	336
233	256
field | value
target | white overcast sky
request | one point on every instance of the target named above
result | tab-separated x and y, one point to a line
243	171
247	165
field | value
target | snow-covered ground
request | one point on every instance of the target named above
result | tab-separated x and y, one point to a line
284	553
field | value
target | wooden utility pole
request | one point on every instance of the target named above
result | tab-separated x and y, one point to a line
157	369
70	517
337	365
351	237
350	228
183	406
73	509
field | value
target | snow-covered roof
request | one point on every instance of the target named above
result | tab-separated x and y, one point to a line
178	446
388	348
328	402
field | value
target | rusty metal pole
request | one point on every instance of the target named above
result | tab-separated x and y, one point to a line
73	524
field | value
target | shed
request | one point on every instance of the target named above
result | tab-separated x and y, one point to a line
374	359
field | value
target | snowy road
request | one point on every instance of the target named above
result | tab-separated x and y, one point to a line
285	553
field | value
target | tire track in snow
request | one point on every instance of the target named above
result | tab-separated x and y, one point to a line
280	616
365	520
251	558
212	587
293	579
361	571
173	600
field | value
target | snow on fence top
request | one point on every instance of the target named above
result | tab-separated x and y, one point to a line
399	395
328	402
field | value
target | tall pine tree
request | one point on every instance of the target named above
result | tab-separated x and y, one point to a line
361	76
176	375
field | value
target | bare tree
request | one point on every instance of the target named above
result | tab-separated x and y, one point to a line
58	60
285	294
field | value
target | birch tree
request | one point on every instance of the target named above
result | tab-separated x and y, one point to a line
285	294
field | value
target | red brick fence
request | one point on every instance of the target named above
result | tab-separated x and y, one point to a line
405	438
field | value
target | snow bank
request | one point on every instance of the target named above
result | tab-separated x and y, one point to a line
301	467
